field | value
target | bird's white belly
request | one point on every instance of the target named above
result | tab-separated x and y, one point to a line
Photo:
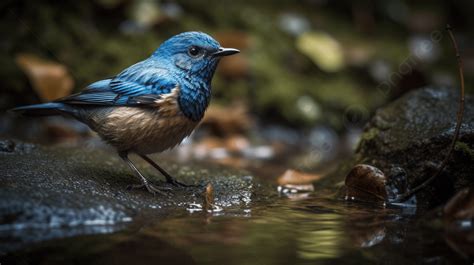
144	130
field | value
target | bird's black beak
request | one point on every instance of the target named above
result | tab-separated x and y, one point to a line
225	52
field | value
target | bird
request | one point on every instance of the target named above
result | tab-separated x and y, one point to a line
150	106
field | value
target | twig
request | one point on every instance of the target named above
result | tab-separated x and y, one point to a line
459	116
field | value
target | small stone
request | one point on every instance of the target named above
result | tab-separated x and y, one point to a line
10	146
366	183
7	146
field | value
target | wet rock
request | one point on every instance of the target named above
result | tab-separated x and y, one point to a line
366	183
74	188
412	135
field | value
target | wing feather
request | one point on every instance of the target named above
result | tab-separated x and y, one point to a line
137	85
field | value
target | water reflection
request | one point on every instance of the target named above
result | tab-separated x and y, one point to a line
312	230
323	241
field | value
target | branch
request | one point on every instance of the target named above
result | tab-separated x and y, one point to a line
459	116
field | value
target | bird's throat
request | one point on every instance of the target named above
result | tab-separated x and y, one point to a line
194	100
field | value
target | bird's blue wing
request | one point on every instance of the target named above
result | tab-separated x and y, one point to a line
137	85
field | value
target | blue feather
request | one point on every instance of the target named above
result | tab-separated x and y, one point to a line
126	89
45	109
99	84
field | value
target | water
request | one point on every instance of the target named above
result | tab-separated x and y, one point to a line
310	228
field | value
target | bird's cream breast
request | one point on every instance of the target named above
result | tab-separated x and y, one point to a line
147	129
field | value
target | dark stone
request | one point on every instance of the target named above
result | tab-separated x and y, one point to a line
366	183
9	146
411	136
61	192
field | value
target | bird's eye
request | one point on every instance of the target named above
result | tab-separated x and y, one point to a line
194	51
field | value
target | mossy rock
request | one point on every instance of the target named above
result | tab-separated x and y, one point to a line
411	136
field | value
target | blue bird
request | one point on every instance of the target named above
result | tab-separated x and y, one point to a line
150	106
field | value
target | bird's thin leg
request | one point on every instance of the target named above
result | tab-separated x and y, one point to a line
137	173
168	177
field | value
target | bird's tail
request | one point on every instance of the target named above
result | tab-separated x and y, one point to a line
45	109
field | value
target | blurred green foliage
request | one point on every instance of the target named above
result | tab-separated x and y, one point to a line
97	39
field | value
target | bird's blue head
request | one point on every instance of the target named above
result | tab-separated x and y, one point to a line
194	53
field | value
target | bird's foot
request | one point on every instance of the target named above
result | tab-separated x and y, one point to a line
150	188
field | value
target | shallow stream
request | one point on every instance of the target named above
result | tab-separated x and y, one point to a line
299	229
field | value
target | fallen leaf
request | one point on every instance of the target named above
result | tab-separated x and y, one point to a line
229	120
209	198
50	80
296	177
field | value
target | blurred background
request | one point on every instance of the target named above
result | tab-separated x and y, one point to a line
310	73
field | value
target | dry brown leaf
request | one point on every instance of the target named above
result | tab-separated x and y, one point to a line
50	80
208	204
229	120
296	177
